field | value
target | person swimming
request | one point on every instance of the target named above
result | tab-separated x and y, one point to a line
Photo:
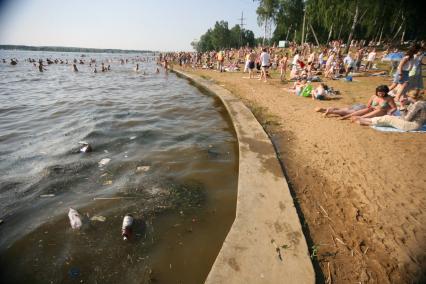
41	67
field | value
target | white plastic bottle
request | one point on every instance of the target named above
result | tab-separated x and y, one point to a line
75	219
126	229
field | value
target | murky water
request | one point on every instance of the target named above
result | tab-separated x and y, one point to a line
173	165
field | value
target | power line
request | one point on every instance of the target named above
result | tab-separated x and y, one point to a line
242	20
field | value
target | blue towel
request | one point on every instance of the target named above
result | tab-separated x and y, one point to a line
391	129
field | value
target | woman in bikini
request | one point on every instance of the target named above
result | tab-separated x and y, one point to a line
379	104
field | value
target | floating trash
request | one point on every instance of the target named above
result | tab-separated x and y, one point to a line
126	229
143	168
98	218
74	272
103	162
47	195
75	219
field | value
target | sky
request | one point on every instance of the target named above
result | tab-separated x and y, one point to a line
162	25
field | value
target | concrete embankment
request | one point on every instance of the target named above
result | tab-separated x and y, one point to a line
265	243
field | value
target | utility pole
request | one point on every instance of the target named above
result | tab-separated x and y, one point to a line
242	27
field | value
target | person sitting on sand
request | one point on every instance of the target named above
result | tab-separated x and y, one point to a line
299	86
378	105
412	119
13	61
319	92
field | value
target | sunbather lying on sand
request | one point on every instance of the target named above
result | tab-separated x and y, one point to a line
340	111
412	119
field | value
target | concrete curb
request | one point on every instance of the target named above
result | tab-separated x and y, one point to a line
266	219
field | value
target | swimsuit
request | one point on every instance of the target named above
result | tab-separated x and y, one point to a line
383	105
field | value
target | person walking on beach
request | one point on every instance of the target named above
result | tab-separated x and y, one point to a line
264	61
220	56
251	65
401	76
348	62
370	59
283	66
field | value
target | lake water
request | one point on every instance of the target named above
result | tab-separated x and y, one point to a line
173	165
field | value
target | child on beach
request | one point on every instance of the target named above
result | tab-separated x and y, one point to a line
319	92
283	66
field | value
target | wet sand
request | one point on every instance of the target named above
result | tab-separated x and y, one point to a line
361	192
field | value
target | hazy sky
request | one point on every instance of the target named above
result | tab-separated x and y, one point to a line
124	24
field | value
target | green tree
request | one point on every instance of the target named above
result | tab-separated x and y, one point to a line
266	14
221	35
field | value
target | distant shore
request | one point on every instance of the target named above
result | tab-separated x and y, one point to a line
70	49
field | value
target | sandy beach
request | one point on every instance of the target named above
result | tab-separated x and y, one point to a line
360	191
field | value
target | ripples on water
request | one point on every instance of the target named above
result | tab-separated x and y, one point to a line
186	197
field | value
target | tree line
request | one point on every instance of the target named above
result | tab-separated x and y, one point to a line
319	21
220	37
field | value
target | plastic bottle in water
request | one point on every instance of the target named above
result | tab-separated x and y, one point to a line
75	219
126	229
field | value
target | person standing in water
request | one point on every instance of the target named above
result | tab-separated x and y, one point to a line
41	66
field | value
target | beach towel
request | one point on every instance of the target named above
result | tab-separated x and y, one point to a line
391	129
307	91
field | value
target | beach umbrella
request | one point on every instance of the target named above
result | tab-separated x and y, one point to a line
395	56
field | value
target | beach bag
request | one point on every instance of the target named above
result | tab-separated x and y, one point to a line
307	91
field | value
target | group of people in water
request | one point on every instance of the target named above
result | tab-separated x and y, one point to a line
42	64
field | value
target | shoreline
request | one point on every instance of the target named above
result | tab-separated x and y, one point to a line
361	202
265	244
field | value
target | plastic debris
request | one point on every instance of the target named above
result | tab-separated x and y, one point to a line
47	195
86	148
75	219
103	162
132	137
98	218
126	229
74	272
143	168
108	182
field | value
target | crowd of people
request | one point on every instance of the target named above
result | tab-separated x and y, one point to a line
306	64
303	65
